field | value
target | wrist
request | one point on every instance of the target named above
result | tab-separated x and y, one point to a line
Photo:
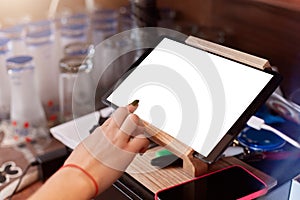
102	174
80	182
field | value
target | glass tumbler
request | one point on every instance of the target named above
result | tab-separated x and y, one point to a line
75	87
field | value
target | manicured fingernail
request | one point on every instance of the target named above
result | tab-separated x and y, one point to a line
135	102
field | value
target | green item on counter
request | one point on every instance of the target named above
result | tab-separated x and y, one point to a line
163	152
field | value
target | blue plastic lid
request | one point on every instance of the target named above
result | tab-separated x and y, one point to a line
107	20
19	59
260	140
40	34
79	52
74	27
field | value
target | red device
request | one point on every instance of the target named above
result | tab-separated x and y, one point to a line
234	182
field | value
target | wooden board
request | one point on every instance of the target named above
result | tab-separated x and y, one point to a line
228	52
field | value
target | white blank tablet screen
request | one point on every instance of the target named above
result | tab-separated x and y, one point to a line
190	94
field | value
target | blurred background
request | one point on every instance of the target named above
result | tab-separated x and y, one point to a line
59	37
266	28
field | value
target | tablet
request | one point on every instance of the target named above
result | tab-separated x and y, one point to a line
201	99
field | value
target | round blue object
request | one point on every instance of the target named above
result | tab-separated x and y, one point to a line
261	140
40	34
19	59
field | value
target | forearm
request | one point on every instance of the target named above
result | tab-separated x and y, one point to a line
67	183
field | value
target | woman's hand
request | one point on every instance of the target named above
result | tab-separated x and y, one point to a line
105	154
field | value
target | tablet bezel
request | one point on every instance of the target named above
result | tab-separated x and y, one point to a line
239	124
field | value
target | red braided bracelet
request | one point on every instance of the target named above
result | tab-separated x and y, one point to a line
86	173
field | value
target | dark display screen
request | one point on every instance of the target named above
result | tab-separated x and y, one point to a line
231	183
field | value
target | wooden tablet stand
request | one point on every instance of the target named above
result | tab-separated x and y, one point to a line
191	165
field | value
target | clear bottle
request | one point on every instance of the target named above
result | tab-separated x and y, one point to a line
75	87
41	46
26	108
4	81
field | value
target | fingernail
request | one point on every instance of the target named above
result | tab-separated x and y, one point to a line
135	102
